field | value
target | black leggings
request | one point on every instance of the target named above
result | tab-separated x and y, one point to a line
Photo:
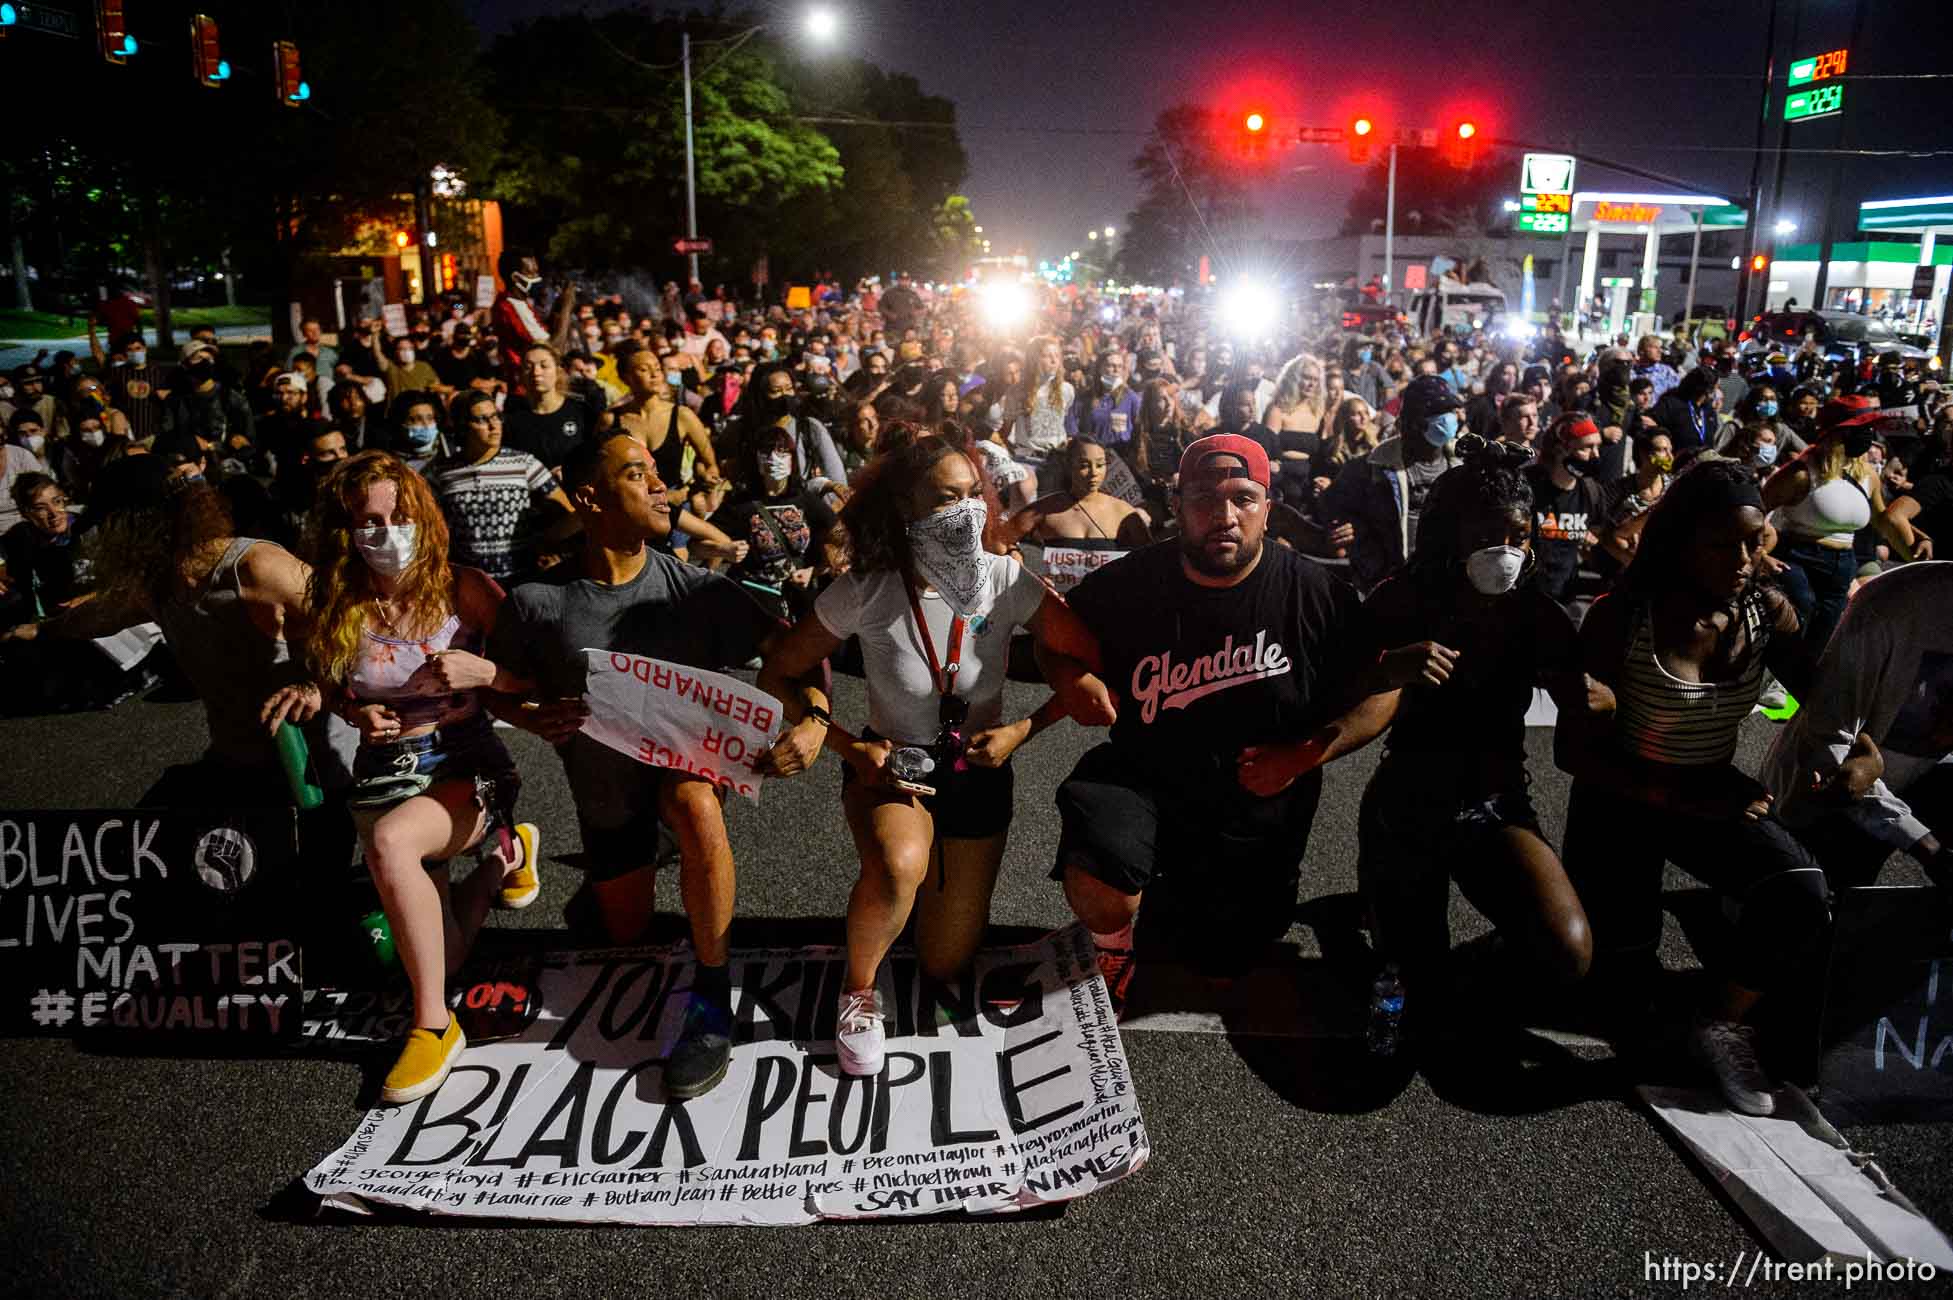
1615	848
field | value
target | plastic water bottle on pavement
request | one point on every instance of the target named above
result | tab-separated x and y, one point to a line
1386	1011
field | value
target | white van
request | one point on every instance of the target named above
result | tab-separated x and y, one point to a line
1464	307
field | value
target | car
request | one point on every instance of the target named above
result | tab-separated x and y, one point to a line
1842	335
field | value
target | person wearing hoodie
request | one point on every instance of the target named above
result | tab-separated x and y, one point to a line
1373	506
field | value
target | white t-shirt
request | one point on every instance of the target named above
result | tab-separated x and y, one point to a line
902	698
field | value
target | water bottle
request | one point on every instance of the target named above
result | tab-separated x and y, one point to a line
1386	1011
378	934
295	757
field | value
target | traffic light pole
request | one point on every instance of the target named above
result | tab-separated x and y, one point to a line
691	186
1390	231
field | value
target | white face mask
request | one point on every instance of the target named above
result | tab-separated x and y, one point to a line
777	466
93	437
1495	570
34	442
388	550
405	356
949	554
137	357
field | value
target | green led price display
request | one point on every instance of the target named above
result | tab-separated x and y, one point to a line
1820	67
1822	102
1541	223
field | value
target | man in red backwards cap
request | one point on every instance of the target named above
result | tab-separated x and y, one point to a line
1573	508
1232	664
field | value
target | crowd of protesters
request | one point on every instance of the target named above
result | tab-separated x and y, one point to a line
1314	537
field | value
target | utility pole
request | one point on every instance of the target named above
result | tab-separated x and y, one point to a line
1756	167
691	186
1390	231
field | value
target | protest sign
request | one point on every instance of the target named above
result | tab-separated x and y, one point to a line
394	317
1066	566
150	919
1888	1008
484	291
687	719
495	997
1004	1089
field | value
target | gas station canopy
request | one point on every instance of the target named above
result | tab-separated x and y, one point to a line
1659	214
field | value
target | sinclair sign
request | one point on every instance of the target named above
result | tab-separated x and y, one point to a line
1638	214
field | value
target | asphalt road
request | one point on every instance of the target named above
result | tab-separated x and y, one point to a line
1510	1165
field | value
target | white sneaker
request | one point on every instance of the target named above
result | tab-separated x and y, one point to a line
858	1036
1728	1051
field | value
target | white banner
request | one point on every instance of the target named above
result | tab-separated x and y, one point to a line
667	715
1004	1090
131	645
1066	566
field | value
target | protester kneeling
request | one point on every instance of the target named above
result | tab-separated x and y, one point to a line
626	596
927	787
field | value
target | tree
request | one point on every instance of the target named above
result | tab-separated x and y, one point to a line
1193	198
956	238
1465	202
596	177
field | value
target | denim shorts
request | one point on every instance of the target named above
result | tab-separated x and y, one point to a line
467	750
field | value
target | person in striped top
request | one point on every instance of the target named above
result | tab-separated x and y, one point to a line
501	504
1683	642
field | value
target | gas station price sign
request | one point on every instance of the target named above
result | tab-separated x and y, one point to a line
1819	67
1803	105
1542	223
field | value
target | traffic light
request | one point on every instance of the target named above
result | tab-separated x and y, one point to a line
1254	135
1254	123
1759	263
9	17
1461	145
286	76
207	60
113	28
1358	137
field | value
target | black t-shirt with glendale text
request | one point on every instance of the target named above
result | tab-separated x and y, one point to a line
1200	672
549	438
1562	517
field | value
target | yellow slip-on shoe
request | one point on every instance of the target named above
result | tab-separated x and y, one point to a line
523	886
423	1065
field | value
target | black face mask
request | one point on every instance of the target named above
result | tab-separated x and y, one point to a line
197	371
1578	468
783	404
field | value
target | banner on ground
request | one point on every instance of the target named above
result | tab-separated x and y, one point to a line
1066	566
667	715
1888	1009
150	919
1004	1090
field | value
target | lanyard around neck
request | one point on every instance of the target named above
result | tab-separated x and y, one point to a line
942	675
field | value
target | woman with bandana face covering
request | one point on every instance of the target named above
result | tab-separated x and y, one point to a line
396	637
1823	497
927	786
1461	639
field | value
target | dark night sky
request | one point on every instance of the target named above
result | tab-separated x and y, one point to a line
1053	99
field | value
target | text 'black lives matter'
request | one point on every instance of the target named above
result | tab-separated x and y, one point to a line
164	921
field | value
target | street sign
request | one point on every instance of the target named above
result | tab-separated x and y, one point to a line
1542	223
46	18
1546	173
682	245
1922	282
1822	102
1819	67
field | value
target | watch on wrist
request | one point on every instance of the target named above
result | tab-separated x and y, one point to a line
818	713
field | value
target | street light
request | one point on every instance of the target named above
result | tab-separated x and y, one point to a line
1110	232
822	25
1785	226
1091	234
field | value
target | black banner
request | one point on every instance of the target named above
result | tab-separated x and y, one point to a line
1888	1014
150	920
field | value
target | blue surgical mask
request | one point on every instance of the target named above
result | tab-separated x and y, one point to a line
1766	453
1439	430
422	436
1766	408
1363	355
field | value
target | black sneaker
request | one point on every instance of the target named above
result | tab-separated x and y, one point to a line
699	1058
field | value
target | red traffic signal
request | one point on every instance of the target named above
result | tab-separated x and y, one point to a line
288	80
207	62
1461	145
1254	122
113	27
1358	137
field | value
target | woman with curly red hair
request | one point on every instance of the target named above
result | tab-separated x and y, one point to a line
396	636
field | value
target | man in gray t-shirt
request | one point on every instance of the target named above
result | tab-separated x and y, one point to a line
622	595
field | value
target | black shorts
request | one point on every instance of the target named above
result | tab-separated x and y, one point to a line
972	804
616	801
1232	864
